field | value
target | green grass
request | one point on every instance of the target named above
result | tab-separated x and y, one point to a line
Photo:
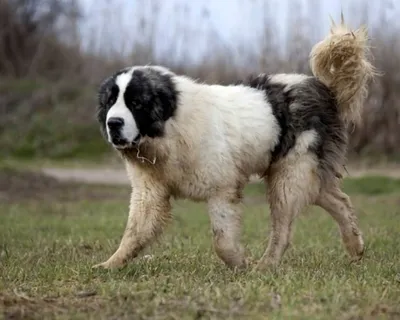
47	249
372	185
49	135
57	123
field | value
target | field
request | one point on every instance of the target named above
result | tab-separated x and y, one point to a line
51	233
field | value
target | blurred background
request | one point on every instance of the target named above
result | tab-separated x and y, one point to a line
54	54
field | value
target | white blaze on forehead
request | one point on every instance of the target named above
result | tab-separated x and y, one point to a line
129	131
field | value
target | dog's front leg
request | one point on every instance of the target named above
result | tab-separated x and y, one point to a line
150	210
225	215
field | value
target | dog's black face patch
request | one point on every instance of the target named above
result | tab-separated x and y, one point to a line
152	98
149	95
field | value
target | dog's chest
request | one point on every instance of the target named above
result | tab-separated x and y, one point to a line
199	179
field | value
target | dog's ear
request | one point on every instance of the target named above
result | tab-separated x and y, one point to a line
104	95
105	90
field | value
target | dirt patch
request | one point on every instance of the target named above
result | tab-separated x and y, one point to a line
95	175
116	176
16	185
19	306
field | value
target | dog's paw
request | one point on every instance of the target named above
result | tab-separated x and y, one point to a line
100	266
109	265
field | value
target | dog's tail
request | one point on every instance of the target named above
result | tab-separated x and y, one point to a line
340	62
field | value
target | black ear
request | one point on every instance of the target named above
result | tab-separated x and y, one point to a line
106	97
107	91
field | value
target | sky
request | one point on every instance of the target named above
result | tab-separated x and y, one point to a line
115	24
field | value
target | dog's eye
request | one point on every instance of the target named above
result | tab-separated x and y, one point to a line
136	106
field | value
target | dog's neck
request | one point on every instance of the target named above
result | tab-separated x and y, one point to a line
149	153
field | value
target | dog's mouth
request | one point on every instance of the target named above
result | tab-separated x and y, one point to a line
121	144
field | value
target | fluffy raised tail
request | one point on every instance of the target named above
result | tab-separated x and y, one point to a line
340	62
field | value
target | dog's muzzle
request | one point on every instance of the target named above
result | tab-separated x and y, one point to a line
115	126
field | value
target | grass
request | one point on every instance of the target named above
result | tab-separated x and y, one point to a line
47	249
37	117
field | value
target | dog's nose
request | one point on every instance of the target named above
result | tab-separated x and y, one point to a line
115	123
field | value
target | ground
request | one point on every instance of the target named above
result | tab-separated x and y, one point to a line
117	175
52	232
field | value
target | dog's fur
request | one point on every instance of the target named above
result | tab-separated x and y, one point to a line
181	138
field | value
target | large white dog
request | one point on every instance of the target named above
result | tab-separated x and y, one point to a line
184	139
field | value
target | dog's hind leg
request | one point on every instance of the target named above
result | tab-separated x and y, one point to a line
292	185
150	210
339	206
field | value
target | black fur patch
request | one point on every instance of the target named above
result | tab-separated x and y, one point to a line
152	98
280	102
301	107
150	95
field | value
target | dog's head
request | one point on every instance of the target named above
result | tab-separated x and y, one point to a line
134	103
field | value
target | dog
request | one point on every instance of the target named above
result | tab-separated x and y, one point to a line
183	139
